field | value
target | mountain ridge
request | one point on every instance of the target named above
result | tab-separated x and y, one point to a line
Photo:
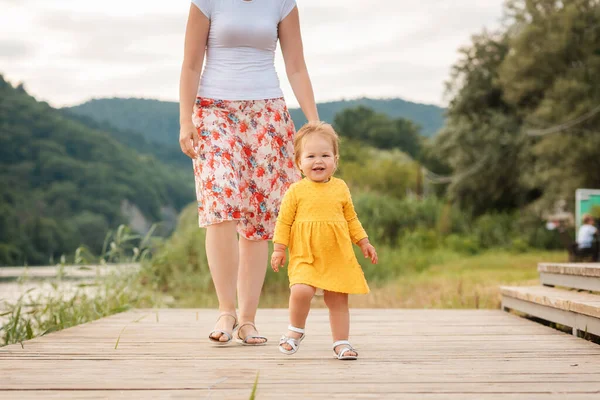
158	120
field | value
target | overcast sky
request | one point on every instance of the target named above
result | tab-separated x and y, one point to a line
69	51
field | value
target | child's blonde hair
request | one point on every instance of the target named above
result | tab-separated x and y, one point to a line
587	218
311	128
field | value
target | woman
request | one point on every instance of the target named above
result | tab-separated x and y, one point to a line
236	128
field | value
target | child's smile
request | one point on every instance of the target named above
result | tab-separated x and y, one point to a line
318	160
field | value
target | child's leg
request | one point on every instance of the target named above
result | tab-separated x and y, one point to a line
300	297
222	255
339	317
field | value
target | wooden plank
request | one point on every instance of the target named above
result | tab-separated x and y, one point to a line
565	300
268	395
580	269
579	322
404	354
397	376
570	281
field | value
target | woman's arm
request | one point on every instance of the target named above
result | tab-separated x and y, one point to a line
196	35
295	67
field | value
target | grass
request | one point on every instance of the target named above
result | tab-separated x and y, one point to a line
467	282
434	279
254	387
37	314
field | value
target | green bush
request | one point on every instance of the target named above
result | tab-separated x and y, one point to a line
419	239
462	244
494	230
409	234
514	231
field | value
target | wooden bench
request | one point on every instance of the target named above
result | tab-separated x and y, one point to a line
575	309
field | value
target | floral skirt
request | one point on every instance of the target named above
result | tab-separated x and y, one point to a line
245	162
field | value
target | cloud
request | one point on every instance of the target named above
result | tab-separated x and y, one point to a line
117	39
133	26
380	48
410	81
15	49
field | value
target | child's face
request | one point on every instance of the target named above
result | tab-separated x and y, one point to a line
317	162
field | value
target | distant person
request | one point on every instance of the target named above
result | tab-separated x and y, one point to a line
318	223
585	237
236	128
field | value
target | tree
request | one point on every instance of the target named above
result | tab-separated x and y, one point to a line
551	78
364	124
481	141
525	104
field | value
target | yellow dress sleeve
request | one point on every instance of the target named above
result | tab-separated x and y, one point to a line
285	218
357	233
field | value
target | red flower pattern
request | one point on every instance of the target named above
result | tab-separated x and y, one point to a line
244	164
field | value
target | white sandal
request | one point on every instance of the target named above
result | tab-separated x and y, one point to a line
244	341
228	335
347	347
293	342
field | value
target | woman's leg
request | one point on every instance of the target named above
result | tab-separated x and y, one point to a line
300	297
251	276
222	254
339	317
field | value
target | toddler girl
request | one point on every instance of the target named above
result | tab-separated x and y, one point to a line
318	223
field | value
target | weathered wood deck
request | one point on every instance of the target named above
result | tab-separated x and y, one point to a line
404	354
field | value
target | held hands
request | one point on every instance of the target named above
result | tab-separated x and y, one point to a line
188	139
277	259
368	250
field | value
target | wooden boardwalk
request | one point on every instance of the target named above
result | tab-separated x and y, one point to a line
404	354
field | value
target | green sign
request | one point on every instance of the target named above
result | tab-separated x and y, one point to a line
585	201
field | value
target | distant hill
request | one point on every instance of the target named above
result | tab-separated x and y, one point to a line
159	120
168	153
429	117
64	183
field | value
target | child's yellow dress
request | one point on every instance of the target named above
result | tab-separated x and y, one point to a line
318	223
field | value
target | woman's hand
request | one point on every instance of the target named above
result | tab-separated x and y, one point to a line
277	259
368	250
188	139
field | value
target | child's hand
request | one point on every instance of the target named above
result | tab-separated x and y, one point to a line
368	250
277	259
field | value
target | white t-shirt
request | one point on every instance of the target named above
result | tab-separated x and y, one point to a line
240	54
585	236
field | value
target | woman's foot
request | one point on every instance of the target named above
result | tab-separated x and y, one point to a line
224	327
248	335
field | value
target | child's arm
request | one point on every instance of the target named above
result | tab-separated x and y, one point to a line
278	256
357	233
283	227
